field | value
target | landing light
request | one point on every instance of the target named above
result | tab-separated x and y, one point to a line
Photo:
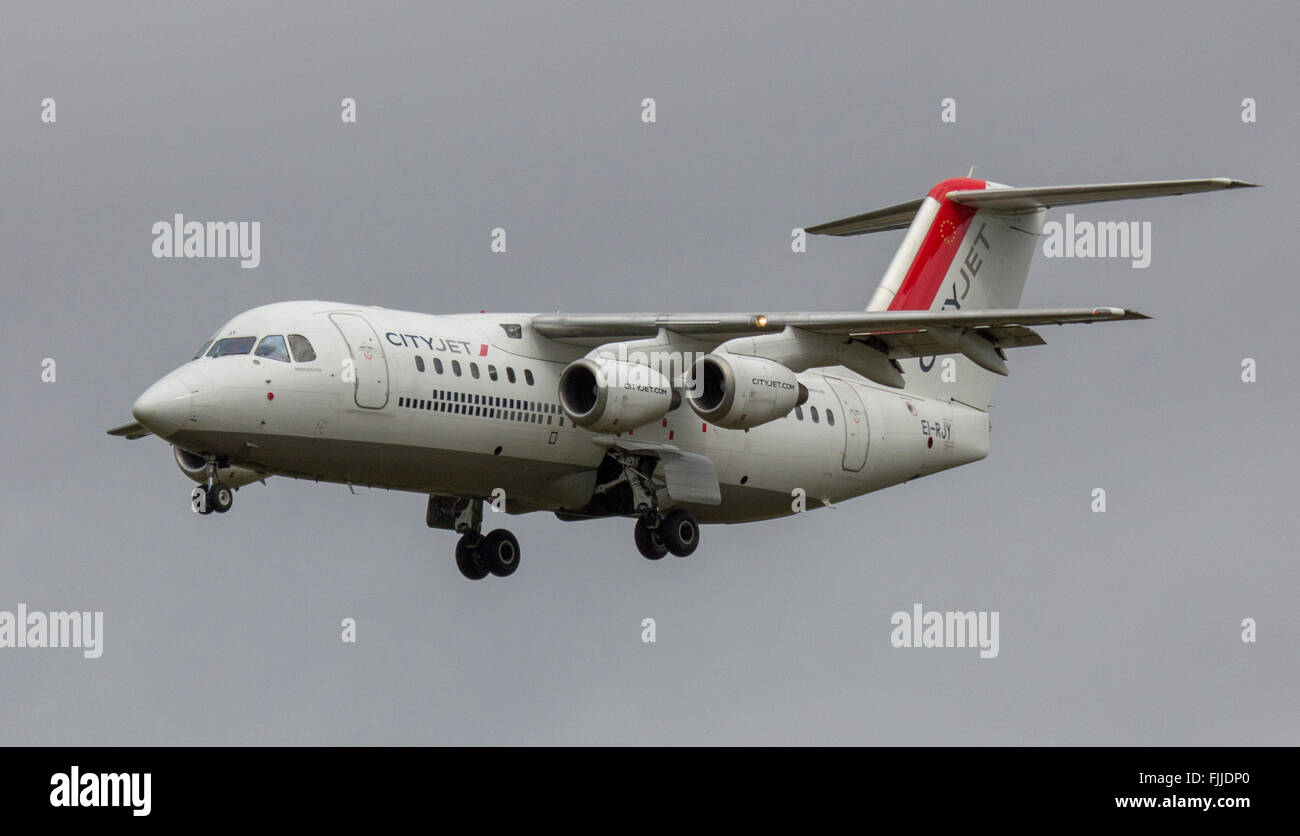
760	321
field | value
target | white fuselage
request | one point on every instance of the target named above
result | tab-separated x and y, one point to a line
366	415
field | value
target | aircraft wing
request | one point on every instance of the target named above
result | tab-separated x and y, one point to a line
900	333
132	431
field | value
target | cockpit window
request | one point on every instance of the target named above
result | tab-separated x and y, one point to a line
302	350
232	345
203	350
274	348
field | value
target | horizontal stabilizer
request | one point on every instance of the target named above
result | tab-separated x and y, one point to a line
1047	196
998	198
897	216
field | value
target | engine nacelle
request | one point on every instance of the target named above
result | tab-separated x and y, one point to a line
606	395
233	476
736	391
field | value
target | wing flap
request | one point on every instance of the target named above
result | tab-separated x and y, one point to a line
920	344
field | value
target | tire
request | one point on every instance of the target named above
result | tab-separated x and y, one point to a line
199	500
469	561
220	498
500	552
648	542
680	532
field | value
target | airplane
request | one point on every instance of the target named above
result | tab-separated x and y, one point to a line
671	419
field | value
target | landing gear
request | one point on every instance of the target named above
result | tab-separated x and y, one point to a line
648	541
680	532
677	532
212	495
199	501
500	551
220	498
469	560
656	534
477	555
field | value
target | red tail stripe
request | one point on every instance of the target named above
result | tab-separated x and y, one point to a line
919	286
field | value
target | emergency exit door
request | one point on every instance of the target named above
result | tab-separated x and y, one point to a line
856	432
369	365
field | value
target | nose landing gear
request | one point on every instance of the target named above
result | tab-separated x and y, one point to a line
216	496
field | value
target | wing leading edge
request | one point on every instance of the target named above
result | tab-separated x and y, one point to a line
595	328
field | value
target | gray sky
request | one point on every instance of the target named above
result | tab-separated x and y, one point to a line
1116	628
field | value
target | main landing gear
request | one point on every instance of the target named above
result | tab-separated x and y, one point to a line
495	553
479	555
677	532
215	496
656	534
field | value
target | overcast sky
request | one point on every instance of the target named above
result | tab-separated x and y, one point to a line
1116	628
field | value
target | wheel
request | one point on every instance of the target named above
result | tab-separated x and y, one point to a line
220	498
199	501
500	552
469	560
680	532
648	542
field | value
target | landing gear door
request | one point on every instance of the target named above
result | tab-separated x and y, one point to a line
368	361
856	432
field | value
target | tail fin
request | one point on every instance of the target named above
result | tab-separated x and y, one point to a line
968	247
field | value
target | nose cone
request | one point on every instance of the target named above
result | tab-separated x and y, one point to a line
163	407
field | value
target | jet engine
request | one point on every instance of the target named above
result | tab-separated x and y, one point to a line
233	476
737	391
607	395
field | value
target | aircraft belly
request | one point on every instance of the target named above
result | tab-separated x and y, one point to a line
527	482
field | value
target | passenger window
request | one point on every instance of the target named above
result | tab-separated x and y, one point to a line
510	374
202	351
455	367
798	412
492	372
302	350
419	363
830	417
528	376
437	365
273	347
812	410
232	345
473	369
